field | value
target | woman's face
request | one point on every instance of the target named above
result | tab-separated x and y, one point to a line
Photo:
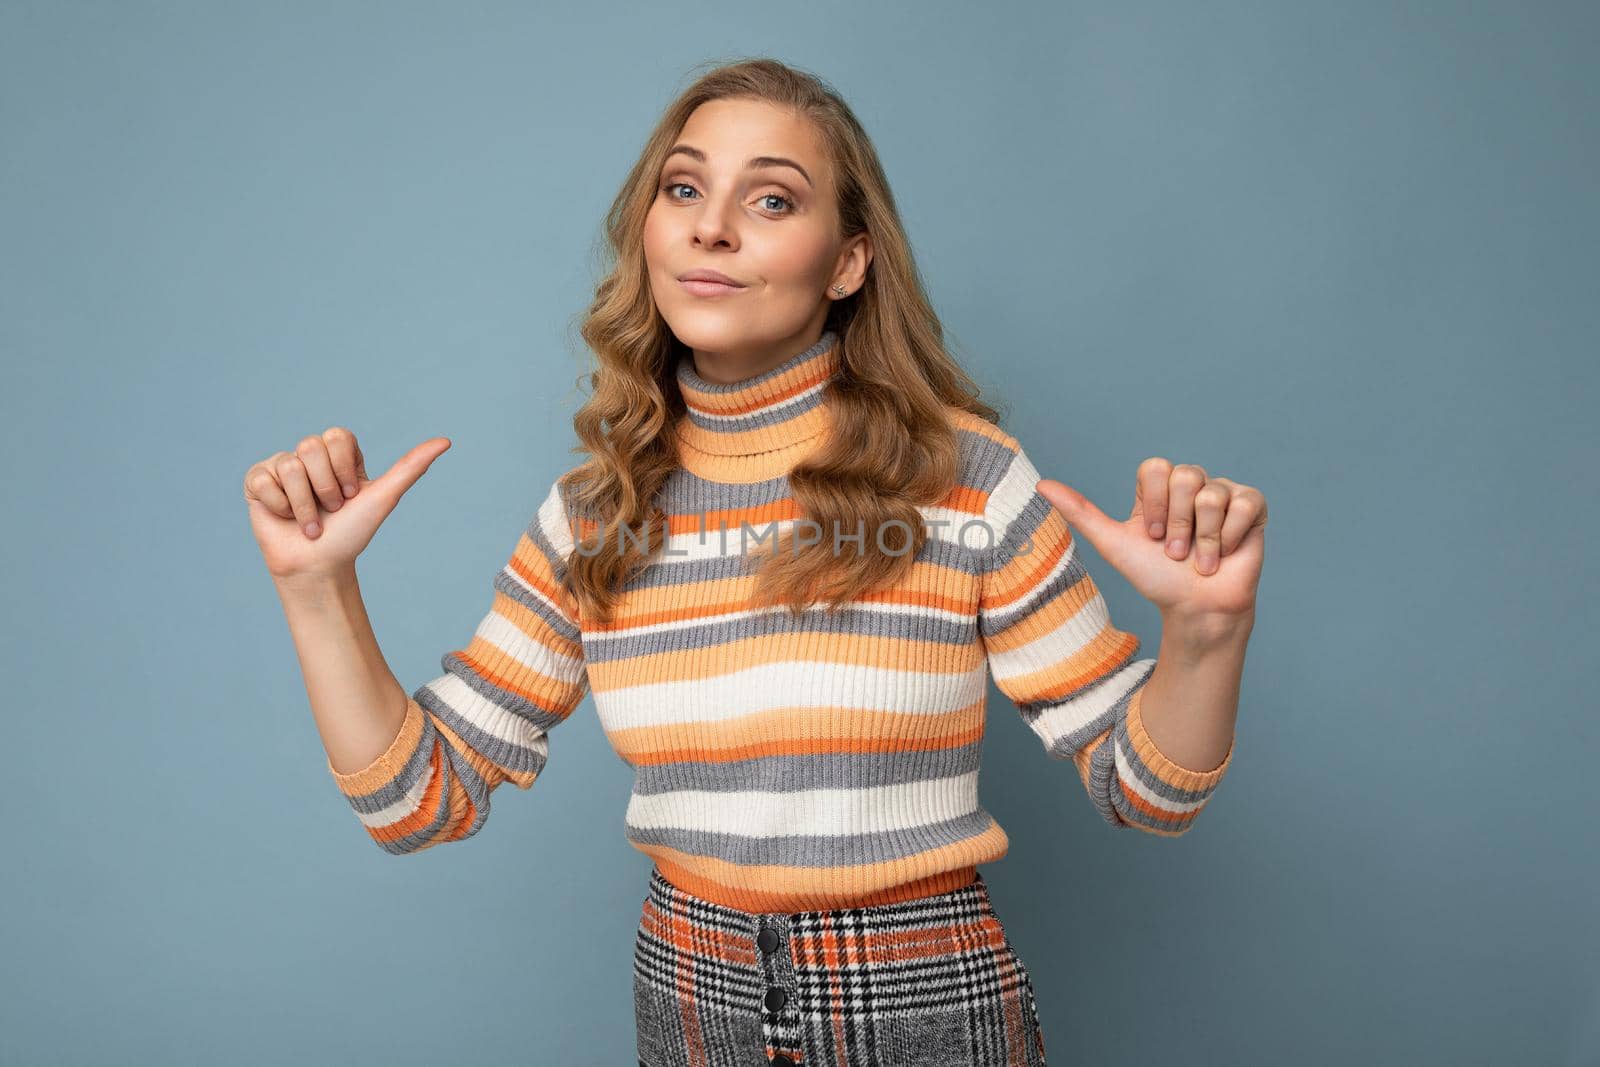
772	227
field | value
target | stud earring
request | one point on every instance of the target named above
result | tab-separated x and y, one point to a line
839	289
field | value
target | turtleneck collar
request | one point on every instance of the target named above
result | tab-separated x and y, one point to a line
773	410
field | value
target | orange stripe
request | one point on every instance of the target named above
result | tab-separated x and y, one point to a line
753	468
729	404
963	419
422	814
1097	659
1139	804
1024	572
531	565
798	732
713	521
698	875
965	499
1048	616
836	948
694	940
554	696
929	585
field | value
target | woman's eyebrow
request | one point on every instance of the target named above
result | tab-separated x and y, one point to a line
754	162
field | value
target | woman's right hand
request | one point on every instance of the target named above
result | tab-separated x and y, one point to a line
304	522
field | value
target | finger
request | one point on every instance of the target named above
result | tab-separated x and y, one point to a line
1151	494
1184	483
1233	489
1210	505
313	452
1110	537
297	487
400	477
261	486
1246	508
342	455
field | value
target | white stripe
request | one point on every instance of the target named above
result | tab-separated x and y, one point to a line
1132	784
596	642
959	527
794	683
488	716
1075	632
1059	720
720	540
820	812
723	540
1028	602
1011	494
527	652
402	808
516	579
553	521
773	409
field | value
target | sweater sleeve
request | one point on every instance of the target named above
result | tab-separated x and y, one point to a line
484	720
1075	678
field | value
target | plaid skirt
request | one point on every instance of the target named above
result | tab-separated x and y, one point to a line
930	981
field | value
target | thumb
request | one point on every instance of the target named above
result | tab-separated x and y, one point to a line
393	483
1098	528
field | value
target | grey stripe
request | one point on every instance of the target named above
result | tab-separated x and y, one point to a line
787	773
511	585
1032	709
997	620
1130	815
848	620
984	461
506	754
982	465
1102	780
453	766
686	570
1148	778
1075	740
686	493
692	380
394	790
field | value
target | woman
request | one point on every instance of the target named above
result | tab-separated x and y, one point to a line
797	548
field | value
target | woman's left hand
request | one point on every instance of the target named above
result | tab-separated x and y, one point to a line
1193	544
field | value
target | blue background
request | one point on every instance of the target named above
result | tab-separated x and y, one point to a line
1341	252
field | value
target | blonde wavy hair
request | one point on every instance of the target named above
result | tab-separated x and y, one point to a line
892	445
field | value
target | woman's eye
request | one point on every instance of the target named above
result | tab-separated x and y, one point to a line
787	209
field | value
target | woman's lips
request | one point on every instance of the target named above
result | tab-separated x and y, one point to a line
702	288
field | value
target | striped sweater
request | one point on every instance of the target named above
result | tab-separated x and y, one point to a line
783	763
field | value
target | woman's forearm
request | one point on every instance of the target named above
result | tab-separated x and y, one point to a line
1191	699
358	704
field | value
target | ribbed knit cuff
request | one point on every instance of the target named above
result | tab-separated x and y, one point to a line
387	766
1170	772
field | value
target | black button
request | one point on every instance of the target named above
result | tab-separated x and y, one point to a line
776	998
767	939
780	1060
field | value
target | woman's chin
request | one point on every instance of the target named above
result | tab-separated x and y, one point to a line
710	329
